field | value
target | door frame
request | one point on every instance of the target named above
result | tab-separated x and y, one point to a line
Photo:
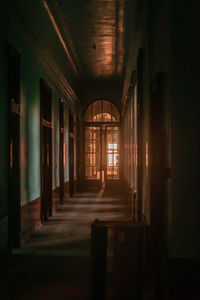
71	152
14	199
93	182
71	165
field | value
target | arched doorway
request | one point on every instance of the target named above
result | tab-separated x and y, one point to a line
102	144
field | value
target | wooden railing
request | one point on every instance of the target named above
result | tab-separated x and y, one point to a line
128	260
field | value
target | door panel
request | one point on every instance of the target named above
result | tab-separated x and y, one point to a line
61	113
93	153
71	153
46	172
102	153
71	166
46	152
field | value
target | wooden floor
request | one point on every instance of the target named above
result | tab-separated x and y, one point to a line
55	262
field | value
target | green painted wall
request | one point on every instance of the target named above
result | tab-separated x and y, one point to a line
31	73
30	129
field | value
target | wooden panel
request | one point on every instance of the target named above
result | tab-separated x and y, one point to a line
101	51
46	165
61	151
46	150
127	265
71	166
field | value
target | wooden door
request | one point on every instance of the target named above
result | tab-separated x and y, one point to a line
71	153
62	160
46	151
14	147
71	166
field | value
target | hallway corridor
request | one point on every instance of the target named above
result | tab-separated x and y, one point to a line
94	93
55	262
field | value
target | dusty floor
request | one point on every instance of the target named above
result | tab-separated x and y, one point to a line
55	262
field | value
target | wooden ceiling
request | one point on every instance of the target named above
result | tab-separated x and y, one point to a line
96	35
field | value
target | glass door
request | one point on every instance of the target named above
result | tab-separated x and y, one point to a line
112	145
93	153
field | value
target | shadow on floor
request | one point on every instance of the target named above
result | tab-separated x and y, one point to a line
55	262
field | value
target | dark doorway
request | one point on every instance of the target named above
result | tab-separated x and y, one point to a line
157	171
71	166
62	160
46	151
71	154
14	146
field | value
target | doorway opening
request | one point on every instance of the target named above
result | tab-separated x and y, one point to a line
102	143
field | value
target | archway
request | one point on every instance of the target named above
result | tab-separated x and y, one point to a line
102	144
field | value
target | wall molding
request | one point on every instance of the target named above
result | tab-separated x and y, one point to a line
42	55
60	26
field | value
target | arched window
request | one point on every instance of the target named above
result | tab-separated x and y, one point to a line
102	146
102	111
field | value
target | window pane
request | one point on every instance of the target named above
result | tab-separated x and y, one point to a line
102	111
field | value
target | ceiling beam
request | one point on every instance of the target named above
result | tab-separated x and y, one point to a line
42	55
119	36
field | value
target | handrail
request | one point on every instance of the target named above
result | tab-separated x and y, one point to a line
128	238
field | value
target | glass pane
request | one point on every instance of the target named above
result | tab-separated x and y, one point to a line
112	153
92	153
97	109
